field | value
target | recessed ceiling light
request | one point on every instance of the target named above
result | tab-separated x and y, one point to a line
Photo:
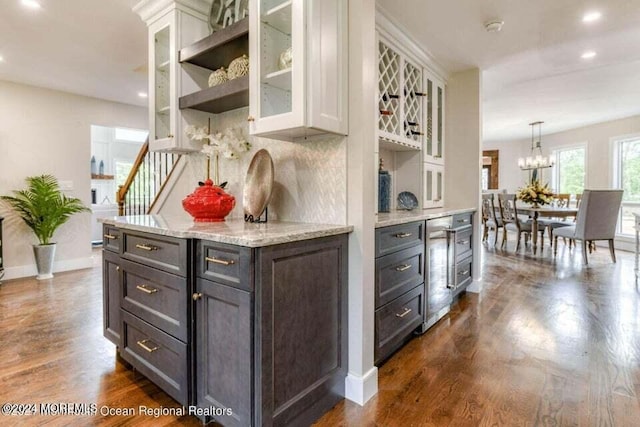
1	58
31	4
142	94
588	54
591	16
493	26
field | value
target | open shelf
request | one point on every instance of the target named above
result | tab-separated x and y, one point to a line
98	176
280	79
218	99
279	17
220	48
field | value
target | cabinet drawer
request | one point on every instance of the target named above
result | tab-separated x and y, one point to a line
228	264
462	219
397	237
162	252
111	238
397	320
155	296
158	356
463	272
398	273
464	243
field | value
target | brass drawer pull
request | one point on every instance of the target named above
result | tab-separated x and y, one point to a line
463	242
403	267
404	313
146	289
146	247
117	268
144	345
402	235
219	261
462	220
464	273
196	296
110	236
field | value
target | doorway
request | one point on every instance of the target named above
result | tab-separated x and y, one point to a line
490	169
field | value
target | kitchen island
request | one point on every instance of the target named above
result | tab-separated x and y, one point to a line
243	323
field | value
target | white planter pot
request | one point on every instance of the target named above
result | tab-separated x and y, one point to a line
44	260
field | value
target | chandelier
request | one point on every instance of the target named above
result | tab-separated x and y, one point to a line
536	160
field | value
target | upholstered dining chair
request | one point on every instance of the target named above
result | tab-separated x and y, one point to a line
492	220
512	221
596	220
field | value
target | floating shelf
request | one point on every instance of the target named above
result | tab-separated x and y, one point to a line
218	99
279	17
97	176
394	145
220	48
280	79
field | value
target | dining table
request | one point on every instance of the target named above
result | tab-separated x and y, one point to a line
544	211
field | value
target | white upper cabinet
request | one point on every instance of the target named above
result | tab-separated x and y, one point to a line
172	26
298	68
434	119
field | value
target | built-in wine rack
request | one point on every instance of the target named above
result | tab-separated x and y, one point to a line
389	90
413	102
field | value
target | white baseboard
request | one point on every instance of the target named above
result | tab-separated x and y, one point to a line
359	389
476	286
58	266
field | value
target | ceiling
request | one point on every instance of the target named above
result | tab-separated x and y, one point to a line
532	69
95	48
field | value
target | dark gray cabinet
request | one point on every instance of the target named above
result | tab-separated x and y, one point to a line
260	334
399	286
224	356
111	296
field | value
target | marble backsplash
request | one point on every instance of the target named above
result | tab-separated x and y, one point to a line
310	176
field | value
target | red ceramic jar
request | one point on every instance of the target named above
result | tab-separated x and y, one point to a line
208	203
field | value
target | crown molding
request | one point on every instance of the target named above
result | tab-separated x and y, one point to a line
151	10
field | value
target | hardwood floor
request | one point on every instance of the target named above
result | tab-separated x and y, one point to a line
546	343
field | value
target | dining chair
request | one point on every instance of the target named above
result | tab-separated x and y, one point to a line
560	200
596	220
512	221
492	220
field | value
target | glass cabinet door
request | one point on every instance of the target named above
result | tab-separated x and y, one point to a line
433	185
162	86
434	120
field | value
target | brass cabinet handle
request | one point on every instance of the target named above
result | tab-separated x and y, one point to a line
117	268
110	236
402	235
146	289
462	221
146	247
196	296
251	119
219	261
463	242
404	313
144	345
403	267
169	135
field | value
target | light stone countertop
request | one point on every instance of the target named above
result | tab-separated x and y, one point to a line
234	231
404	217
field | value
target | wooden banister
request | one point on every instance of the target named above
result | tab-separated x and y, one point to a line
123	189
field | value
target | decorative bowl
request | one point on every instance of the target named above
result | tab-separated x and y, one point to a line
209	203
407	200
217	77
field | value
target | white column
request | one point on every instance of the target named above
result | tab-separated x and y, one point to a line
362	381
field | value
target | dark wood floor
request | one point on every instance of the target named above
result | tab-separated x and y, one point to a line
546	343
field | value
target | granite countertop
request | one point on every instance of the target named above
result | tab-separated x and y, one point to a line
234	231
403	217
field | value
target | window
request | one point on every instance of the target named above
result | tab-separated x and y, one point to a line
569	170
133	135
122	168
627	177
485	178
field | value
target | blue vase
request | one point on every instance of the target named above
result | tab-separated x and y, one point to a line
384	191
101	170
94	169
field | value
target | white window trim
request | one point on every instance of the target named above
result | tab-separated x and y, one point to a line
554	170
615	179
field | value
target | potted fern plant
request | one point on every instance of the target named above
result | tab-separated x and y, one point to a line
44	208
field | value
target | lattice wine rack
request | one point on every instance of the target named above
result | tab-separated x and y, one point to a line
389	90
413	94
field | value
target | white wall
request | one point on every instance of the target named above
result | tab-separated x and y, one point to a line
48	132
596	137
463	153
